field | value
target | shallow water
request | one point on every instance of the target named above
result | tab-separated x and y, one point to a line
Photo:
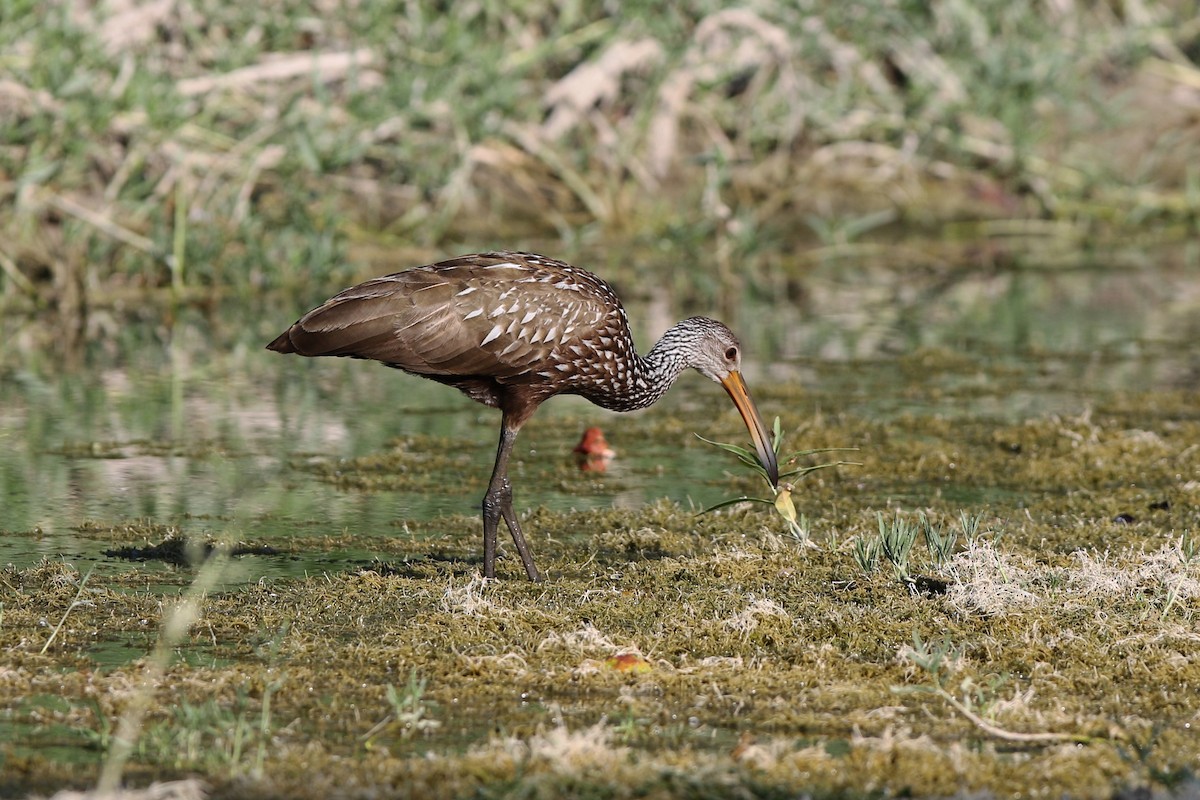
195	428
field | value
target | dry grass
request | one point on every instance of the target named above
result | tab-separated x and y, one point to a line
189	789
988	581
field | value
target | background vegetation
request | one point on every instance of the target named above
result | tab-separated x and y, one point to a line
238	146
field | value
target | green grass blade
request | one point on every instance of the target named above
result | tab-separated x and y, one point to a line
735	501
805	470
747	457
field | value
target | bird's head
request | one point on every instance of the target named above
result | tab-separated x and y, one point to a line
715	352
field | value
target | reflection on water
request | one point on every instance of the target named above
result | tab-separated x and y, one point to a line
208	431
1030	342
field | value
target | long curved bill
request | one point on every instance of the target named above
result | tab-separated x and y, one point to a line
740	395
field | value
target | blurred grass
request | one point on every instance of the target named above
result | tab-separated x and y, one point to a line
301	137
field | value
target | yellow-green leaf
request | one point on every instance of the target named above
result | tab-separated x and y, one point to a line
785	506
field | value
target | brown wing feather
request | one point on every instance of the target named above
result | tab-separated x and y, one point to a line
361	320
495	315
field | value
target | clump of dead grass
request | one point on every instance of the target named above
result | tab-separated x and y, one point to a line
1135	575
757	609
561	749
471	597
987	580
583	640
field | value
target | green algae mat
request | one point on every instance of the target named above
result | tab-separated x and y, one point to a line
1037	636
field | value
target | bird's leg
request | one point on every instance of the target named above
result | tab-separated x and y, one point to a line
514	527
497	503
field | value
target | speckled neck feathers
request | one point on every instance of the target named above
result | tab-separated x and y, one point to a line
647	378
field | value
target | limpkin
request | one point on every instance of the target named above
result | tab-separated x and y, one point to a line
511	330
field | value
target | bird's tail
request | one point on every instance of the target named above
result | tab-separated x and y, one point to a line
283	343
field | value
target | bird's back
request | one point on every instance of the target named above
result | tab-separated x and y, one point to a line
500	318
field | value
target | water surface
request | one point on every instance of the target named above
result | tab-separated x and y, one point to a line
195	428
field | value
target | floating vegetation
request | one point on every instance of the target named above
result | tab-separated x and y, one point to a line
640	672
974	700
668	647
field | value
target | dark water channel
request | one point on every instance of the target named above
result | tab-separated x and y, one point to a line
193	427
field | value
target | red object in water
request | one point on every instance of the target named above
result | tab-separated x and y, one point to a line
628	662
593	453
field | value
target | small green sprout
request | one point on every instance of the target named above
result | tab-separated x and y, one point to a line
939	540
1187	546
409	714
867	552
782	494
969	523
897	539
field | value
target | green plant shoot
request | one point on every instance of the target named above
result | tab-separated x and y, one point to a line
781	498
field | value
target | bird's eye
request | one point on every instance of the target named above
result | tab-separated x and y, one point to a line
731	353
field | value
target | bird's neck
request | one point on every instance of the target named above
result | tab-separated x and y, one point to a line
646	378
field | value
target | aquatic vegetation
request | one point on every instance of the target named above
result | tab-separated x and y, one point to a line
941	541
212	736
639	672
785	507
176	625
671	652
75	602
867	552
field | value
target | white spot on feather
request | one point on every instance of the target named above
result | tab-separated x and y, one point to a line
528	316
493	334
473	314
466	291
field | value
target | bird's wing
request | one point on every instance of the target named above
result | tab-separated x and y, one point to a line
491	317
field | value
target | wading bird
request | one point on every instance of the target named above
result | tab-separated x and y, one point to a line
511	330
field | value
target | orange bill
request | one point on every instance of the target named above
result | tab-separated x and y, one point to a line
740	395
